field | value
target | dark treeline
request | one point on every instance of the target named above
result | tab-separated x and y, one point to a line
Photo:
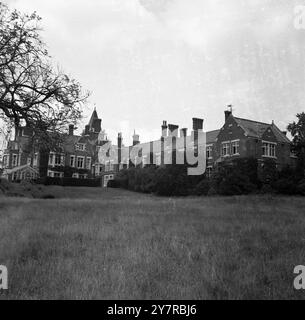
242	176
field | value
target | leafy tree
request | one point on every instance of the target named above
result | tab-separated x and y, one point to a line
297	130
32	91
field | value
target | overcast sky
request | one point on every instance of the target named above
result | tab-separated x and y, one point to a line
151	60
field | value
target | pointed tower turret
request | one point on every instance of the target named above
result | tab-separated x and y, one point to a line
95	124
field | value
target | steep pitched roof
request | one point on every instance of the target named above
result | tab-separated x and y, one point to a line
257	129
94	117
212	135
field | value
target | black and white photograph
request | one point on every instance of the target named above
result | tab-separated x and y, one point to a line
152	150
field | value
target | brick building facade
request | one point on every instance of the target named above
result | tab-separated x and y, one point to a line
92	155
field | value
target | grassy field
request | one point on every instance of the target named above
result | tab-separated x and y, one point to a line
97	244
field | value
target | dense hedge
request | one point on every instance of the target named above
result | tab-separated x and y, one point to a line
69	182
242	176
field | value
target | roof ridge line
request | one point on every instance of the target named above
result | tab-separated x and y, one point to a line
269	124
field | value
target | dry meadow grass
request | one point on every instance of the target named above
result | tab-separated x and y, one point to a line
95	244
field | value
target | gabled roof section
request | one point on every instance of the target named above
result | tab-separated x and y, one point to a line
212	136
257	129
21	168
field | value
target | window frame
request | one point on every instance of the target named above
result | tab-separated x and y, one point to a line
72	163
267	150
233	143
209	152
228	145
14	160
83	162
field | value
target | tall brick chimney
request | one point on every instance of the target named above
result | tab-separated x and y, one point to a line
120	142
183	132
228	112
135	139
71	130
173	130
87	130
197	124
164	129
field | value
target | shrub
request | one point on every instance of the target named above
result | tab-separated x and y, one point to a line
301	187
268	173
202	188
113	184
69	182
4	185
285	186
48	196
235	184
234	179
171	180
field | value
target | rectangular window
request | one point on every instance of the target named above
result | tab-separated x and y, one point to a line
269	149
80	147
57	160
58	174
209	152
55	174
15	160
144	161
109	166
235	148
35	161
225	150
15	176
51	159
72	161
6	160
80	162
88	163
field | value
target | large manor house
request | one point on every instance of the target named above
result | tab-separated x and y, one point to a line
79	155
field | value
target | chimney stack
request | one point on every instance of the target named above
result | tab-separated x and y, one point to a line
197	124
228	112
284	132
173	130
183	133
135	139
71	130
164	129
120	139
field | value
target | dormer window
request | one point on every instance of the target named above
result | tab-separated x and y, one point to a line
80	147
